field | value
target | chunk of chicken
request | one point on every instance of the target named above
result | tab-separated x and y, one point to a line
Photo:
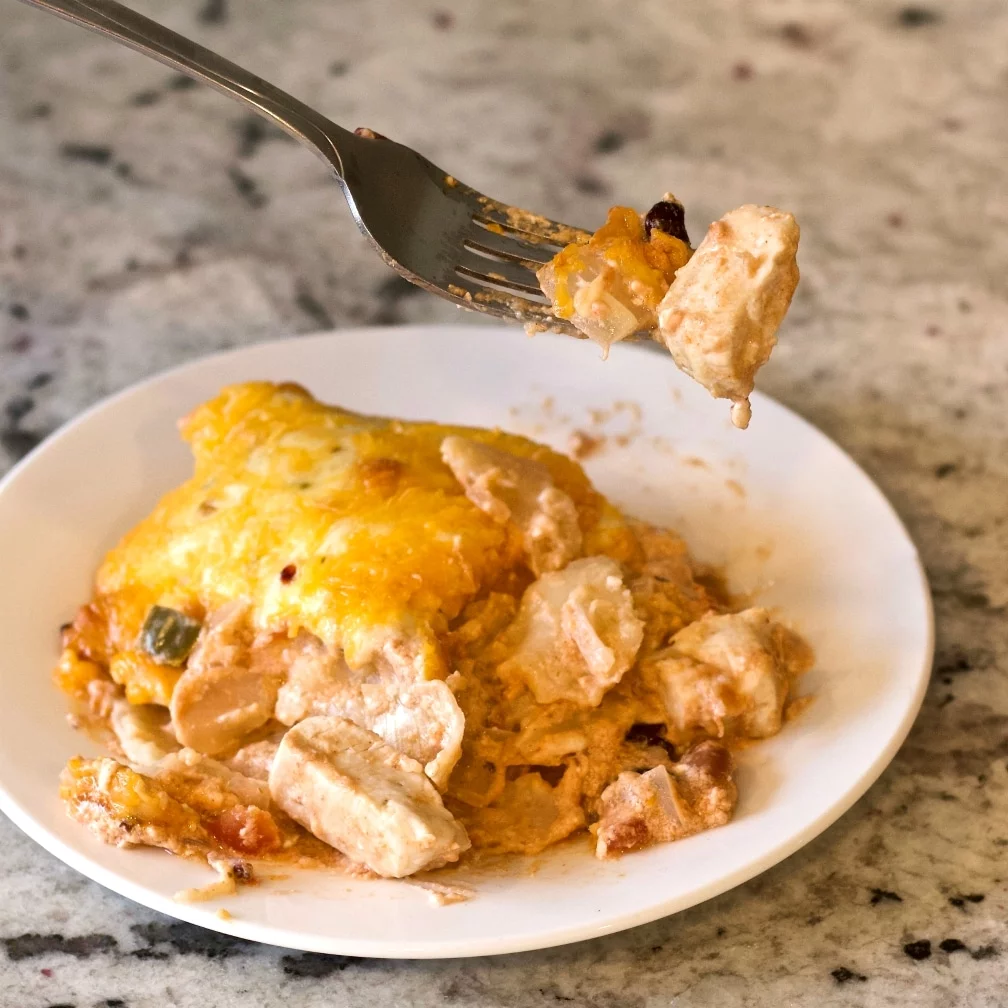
658	806
719	318
520	490
575	633
230	684
420	719
698	698
143	731
729	674
355	792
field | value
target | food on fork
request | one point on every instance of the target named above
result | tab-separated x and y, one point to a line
717	309
389	646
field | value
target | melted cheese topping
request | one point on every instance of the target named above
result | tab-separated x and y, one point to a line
347	526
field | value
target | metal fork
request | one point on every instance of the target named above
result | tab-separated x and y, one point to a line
432	229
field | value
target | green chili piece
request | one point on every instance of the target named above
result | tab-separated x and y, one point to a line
168	635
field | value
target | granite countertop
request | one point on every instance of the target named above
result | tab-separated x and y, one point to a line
144	222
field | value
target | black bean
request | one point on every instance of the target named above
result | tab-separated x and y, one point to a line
669	217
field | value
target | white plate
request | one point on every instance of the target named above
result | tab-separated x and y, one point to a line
779	504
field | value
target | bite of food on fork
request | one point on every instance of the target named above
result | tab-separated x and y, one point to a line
716	309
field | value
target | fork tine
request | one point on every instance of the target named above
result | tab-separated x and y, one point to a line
516	222
491	281
500	273
508	247
528	226
467	293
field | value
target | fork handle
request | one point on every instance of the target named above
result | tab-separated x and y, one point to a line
138	32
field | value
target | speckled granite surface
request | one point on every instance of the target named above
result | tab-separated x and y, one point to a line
143	222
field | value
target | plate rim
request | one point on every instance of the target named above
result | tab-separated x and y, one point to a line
81	862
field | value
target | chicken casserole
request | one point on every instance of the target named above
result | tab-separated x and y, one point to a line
388	645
